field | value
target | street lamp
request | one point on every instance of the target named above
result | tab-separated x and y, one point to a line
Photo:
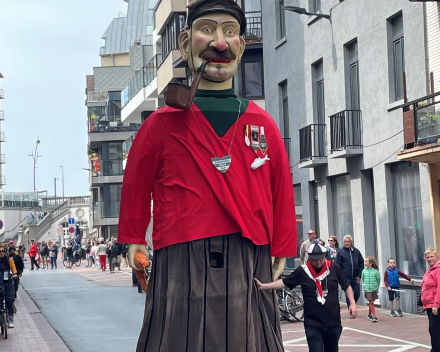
303	11
55	188
35	157
62	170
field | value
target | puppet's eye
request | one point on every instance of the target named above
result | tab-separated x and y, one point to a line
230	32
207	30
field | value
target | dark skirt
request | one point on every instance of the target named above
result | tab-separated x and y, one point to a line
198	301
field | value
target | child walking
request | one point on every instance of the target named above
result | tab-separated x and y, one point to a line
391	279
371	280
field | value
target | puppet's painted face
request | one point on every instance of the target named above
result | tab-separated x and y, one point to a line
215	37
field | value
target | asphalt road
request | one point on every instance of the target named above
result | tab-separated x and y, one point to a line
87	316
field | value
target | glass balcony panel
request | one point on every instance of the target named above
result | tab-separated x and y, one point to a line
112	167
110	123
103	210
428	122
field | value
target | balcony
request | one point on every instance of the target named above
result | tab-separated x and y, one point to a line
254	28
421	128
164	10
111	172
2	159
103	210
346	134
1	94
2	137
2	115
126	146
167	73
94	95
110	123
312	146
139	95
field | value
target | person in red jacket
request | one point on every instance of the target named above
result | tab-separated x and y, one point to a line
431	296
223	203
33	251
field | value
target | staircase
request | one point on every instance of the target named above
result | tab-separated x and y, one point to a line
38	230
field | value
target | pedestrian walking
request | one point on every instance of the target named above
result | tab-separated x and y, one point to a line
44	253
102	253
88	257
33	251
21	250
319	279
305	245
53	255
69	255
135	282
430	296
7	266
124	253
392	283
352	263
119	249
33	216
111	254
19	266
332	248
371	279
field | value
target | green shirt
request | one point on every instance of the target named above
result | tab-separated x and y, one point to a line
220	108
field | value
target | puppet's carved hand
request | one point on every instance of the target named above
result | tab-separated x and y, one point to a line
132	249
278	266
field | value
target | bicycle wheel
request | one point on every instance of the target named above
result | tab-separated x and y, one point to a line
78	262
295	305
5	324
283	311
65	262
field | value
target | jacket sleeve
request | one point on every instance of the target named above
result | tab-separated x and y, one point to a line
437	292
137	186
339	259
402	274
385	278
362	276
302	252
378	277
12	266
19	265
360	262
284	239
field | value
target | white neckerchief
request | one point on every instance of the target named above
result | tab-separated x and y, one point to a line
320	278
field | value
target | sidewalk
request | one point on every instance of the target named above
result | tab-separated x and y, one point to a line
32	332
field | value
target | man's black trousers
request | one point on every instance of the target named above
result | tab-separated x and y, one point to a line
323	339
34	262
434	330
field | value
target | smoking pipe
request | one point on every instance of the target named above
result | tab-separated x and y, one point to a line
179	95
141	261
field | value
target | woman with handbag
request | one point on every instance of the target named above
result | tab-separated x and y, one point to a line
430	296
53	255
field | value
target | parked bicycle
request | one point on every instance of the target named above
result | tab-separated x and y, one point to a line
291	304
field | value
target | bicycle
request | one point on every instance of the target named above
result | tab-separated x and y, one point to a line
3	312
77	259
291	304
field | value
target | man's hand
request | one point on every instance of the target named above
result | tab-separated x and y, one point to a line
358	279
353	311
132	250
412	280
259	284
15	276
389	288
434	310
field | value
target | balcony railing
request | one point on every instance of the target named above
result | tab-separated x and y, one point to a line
110	123
126	146
1	94
112	167
2	137
287	145
312	142
103	210
254	29
2	159
2	115
427	118
95	95
346	130
142	79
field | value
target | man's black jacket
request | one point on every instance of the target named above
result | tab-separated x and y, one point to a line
351	262
19	265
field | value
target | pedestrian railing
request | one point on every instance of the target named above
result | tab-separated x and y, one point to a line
346	130
44	224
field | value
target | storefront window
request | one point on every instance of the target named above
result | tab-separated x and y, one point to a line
343	216
408	219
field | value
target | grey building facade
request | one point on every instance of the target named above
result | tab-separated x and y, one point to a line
332	84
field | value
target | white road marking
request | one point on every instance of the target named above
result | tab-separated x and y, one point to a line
295	340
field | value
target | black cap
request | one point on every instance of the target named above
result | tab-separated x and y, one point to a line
201	7
316	251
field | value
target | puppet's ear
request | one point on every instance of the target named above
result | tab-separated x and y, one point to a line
184	44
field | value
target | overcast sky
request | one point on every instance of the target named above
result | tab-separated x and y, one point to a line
46	49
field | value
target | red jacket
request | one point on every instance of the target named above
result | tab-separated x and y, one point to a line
193	200
431	287
33	251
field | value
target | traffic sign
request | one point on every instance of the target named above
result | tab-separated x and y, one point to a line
1	224
71	230
71	221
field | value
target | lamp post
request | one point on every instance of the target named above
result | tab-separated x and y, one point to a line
55	188
62	170
35	157
303	11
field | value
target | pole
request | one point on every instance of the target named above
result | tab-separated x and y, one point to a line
35	156
62	171
55	188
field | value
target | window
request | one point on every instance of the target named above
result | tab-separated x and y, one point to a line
408	219
284	123
249	80
171	34
281	20
398	56
319	107
290	262
342	212
315	6
353	69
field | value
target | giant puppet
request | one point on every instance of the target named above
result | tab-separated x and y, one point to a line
220	181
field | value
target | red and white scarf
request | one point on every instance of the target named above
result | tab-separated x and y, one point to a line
318	277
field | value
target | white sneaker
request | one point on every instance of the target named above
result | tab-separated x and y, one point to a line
11	325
